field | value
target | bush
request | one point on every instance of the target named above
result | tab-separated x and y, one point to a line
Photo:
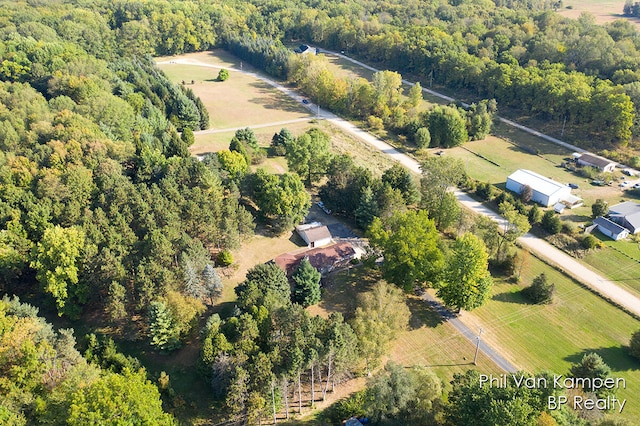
634	345
223	75
225	258
589	242
375	123
540	291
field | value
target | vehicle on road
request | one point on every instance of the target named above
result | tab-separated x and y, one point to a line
323	207
305	101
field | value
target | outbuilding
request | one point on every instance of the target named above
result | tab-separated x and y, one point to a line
545	191
601	163
314	234
626	214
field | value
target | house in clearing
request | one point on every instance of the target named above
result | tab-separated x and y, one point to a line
314	234
324	259
601	163
610	229
545	191
626	214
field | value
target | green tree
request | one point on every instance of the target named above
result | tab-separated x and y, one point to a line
187	136
551	222
57	260
590	367
234	163
447	126
223	75
599	208
535	214
280	141
367	209
281	199
265	285
415	95
212	283
398	177
309	155
127	398
422	137
409	242
634	345
307	284
162	327
540	291
466	282
471	402
381	314
439	174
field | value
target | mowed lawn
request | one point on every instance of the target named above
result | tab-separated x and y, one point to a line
243	100
619	261
553	337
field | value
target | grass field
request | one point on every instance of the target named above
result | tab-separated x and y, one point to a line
428	341
620	262
603	10
552	337
240	101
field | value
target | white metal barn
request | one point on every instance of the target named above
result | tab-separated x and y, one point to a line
546	192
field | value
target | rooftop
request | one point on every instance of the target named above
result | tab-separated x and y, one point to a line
536	181
595	160
612	227
323	259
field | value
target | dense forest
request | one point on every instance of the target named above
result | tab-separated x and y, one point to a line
104	212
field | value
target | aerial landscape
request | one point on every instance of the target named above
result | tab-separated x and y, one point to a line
258	212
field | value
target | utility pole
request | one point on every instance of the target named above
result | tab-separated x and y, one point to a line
475	358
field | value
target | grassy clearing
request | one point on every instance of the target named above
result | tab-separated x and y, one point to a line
603	10
552	337
242	100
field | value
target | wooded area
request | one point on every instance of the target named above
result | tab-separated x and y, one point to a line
104	211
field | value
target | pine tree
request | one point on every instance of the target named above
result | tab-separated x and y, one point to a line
192	284
307	279
212	283
164	333
367	209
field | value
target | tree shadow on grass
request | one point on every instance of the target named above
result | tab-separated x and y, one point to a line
616	357
422	314
511	297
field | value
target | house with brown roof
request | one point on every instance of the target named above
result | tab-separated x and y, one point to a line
324	259
601	163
